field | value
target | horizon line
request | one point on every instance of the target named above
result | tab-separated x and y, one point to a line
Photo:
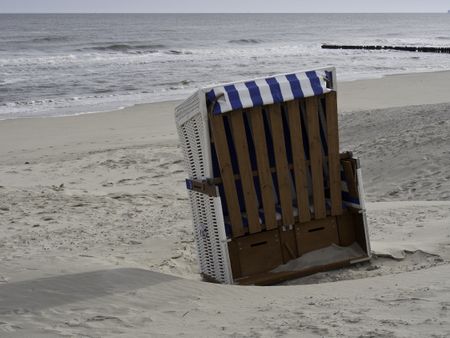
81	12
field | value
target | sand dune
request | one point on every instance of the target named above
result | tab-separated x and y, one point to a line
97	238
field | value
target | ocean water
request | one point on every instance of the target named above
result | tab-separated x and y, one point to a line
64	64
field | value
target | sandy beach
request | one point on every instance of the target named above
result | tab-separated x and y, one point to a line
97	237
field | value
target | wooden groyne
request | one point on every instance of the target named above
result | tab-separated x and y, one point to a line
400	48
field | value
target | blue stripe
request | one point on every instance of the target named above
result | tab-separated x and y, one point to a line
315	82
305	136
255	94
295	86
233	96
347	198
329	76
211	97
323	131
275	90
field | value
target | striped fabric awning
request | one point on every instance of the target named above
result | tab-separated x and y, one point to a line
276	89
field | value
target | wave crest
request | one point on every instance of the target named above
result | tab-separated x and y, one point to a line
245	41
127	48
51	38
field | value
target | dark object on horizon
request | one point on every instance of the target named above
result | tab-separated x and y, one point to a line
400	48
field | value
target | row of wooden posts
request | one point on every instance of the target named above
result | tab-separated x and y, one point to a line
399	48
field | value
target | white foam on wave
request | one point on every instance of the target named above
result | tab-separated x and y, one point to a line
109	70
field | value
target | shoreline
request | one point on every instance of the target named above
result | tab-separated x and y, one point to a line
26	139
347	86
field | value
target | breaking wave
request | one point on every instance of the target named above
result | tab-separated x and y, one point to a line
245	41
127	48
51	39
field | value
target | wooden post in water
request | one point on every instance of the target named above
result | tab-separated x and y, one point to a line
445	50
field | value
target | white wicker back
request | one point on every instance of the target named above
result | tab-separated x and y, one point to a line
209	230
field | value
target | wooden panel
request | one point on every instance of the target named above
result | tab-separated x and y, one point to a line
264	170
351	228
346	228
288	244
245	170
233	252
315	151
218	180
281	163
226	171
361	238
259	252
316	235
270	278
298	155
333	153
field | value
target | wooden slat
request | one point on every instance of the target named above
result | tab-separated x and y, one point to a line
299	162
245	170
264	170
281	163
226	170
233	252
315	151
350	177
333	153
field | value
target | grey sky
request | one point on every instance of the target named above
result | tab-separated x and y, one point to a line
179	6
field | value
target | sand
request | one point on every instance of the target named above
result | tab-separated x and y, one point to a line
97	238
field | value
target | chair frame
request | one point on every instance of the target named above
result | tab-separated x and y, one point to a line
217	148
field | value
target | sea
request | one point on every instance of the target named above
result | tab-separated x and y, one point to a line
68	64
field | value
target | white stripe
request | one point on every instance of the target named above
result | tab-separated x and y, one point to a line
285	87
244	95
305	84
323	83
264	89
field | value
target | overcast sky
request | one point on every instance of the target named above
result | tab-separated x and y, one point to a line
181	6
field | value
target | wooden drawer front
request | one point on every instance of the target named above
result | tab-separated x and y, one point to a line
259	252
316	235
347	223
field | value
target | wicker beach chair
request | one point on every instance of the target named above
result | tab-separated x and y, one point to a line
272	198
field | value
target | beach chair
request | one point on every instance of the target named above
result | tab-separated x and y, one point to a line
272	198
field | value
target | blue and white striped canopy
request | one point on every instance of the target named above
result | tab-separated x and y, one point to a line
276	89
